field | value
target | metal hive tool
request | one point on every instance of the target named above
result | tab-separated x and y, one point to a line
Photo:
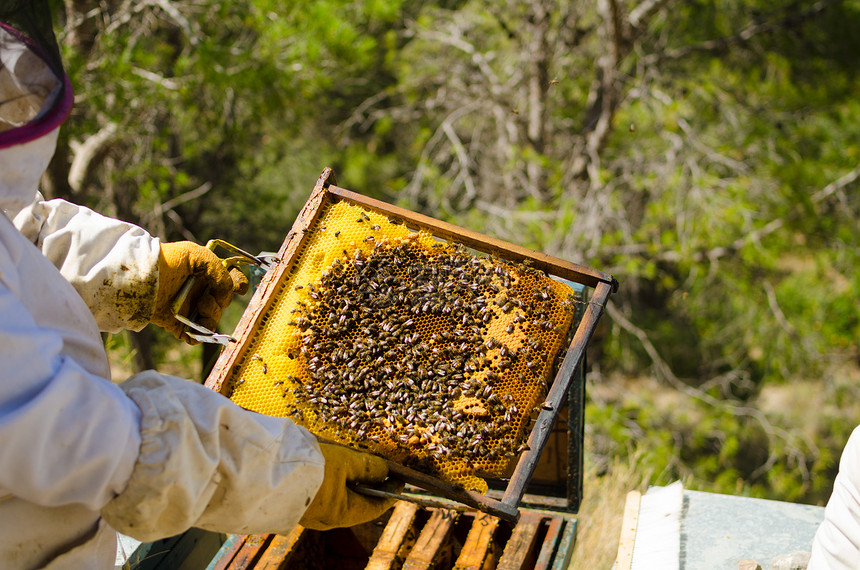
425	343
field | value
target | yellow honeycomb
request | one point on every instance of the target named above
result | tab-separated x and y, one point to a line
388	340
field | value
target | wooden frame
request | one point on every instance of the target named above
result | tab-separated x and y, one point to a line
603	285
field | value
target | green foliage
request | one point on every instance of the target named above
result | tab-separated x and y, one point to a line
722	194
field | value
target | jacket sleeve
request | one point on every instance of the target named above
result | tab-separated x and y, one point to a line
113	265
836	545
207	463
156	455
67	436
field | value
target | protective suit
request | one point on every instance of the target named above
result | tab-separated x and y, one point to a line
79	455
836	545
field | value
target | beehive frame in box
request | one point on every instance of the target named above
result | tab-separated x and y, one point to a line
414	339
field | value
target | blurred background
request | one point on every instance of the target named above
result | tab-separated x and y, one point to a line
706	153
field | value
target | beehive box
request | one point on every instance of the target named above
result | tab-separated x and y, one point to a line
397	334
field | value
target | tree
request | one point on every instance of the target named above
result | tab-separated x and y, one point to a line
704	153
693	150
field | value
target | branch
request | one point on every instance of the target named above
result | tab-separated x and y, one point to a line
743	36
640	15
665	373
477	57
186	233
603	97
462	158
599	117
714	156
414	186
185	197
85	153
755	236
168	84
837	186
777	310
178	19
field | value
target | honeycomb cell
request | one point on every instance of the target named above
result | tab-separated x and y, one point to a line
388	340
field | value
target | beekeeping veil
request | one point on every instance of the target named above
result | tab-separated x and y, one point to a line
34	95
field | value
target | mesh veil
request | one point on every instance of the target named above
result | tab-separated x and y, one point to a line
33	18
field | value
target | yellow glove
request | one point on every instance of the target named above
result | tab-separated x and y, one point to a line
335	505
212	291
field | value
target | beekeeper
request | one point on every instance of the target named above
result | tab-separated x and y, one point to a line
81	457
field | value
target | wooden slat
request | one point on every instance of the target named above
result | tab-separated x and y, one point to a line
546	418
386	550
550	543
624	559
478	543
565	546
432	536
265	294
280	550
227	552
521	543
481	242
250	551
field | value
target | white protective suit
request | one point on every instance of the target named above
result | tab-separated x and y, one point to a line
836	545
79	455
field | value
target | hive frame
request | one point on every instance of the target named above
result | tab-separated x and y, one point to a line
603	285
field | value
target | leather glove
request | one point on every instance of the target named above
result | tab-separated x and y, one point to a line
335	504
212	291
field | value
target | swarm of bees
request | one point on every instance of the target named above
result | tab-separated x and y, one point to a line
391	341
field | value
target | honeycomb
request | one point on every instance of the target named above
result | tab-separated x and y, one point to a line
387	340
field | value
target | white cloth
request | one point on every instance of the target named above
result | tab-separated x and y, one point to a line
116	277
153	456
237	471
836	545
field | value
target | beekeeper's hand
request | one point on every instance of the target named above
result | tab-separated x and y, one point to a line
335	504
212	291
